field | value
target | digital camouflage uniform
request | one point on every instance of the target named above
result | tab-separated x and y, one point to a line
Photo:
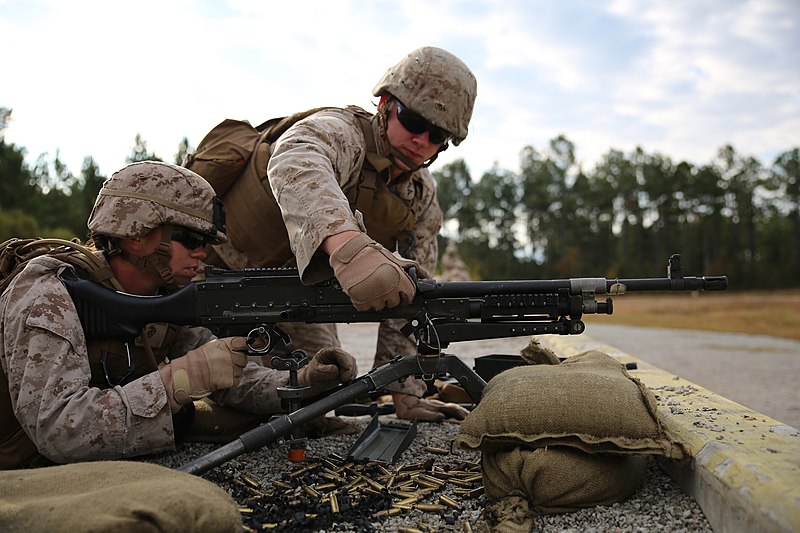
45	360
311	168
318	167
44	356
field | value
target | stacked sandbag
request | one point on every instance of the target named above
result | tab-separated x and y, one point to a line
117	496
560	437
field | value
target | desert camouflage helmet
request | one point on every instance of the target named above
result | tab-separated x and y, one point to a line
145	195
436	85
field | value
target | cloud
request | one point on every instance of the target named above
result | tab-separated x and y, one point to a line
681	78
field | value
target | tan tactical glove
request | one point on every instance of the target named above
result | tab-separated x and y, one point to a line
409	407
211	367
327	369
371	275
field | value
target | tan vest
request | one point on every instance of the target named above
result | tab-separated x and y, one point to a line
250	205
112	363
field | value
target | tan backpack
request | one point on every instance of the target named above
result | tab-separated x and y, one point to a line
226	150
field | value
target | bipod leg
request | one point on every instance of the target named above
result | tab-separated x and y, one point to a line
281	426
466	377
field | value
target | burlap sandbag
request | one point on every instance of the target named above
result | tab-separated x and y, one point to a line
560	479
536	354
117	496
588	401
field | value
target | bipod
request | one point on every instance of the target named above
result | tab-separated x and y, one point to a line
401	367
292	396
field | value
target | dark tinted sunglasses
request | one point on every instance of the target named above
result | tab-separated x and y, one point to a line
415	124
189	238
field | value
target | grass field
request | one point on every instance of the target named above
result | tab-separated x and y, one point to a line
764	313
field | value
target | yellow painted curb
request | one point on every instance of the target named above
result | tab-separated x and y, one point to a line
744	467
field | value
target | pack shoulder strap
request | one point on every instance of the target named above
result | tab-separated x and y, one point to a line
275	127
16	253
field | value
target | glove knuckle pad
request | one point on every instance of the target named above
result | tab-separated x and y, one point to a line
380	282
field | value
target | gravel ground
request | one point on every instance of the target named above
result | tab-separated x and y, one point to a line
658	505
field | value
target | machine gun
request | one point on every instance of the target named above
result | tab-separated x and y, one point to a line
252	303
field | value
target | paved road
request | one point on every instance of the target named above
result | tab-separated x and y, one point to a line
760	372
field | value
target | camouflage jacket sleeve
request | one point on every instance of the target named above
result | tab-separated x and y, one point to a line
310	165
44	355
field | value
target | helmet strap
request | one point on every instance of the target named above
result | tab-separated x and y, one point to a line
158	261
394	155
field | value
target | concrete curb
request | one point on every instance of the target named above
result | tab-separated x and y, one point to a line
744	467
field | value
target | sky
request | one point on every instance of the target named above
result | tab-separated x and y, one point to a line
681	78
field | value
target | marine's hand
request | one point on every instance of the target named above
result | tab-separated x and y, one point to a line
328	368
211	367
372	277
409	407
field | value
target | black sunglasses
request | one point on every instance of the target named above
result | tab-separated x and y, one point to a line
189	238
415	124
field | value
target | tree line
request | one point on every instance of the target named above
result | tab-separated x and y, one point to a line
627	215
552	218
